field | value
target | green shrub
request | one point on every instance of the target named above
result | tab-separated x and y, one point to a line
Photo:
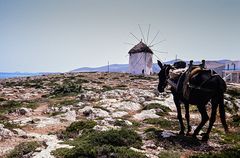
121	123
9	125
123	137
231	138
80	125
169	154
73	130
23	149
112	143
66	89
2	99
163	123
9	106
236	120
97	151
228	153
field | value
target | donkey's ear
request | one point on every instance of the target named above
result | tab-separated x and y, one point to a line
160	64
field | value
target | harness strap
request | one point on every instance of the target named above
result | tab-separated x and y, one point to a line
174	85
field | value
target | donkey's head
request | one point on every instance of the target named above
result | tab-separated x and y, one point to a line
163	75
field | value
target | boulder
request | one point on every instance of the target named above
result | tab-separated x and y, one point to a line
127	106
119	114
24	111
145	114
93	112
5	133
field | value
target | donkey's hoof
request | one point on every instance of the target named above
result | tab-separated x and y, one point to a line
205	137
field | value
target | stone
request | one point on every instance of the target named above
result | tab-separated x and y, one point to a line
70	116
5	133
93	112
127	106
119	114
145	114
166	134
20	132
24	111
100	128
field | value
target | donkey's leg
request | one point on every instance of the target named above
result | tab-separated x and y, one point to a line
179	114
222	112
187	116
214	103
204	115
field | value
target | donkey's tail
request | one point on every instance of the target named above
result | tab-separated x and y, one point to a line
222	112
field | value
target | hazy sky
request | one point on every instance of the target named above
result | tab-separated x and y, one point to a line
61	35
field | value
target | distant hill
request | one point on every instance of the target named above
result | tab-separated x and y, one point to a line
112	68
124	67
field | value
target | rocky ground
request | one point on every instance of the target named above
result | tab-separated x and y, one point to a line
103	115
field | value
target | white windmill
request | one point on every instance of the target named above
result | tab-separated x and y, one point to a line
141	55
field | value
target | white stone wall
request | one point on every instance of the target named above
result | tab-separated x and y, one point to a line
139	62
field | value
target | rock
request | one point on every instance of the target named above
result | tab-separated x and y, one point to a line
114	94
24	111
70	116
145	114
166	134
20	132
168	101
93	112
128	123
52	144
149	144
89	96
101	128
45	121
5	133
119	114
127	106
100	113
24	121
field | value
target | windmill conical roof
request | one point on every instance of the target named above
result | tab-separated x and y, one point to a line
140	47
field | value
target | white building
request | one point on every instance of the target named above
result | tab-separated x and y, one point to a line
232	71
140	59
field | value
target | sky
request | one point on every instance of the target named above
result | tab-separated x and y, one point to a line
62	35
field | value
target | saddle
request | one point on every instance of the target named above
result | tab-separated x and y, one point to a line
183	85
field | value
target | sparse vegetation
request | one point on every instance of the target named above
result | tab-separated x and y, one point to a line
169	154
9	125
23	149
164	109
163	123
236	120
121	123
228	153
141	77
9	106
107	143
234	92
107	88
73	130
66	89
64	101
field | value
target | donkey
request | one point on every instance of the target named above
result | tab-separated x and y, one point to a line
206	86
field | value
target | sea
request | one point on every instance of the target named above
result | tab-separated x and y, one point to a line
4	75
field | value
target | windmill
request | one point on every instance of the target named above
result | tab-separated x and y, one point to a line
141	55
